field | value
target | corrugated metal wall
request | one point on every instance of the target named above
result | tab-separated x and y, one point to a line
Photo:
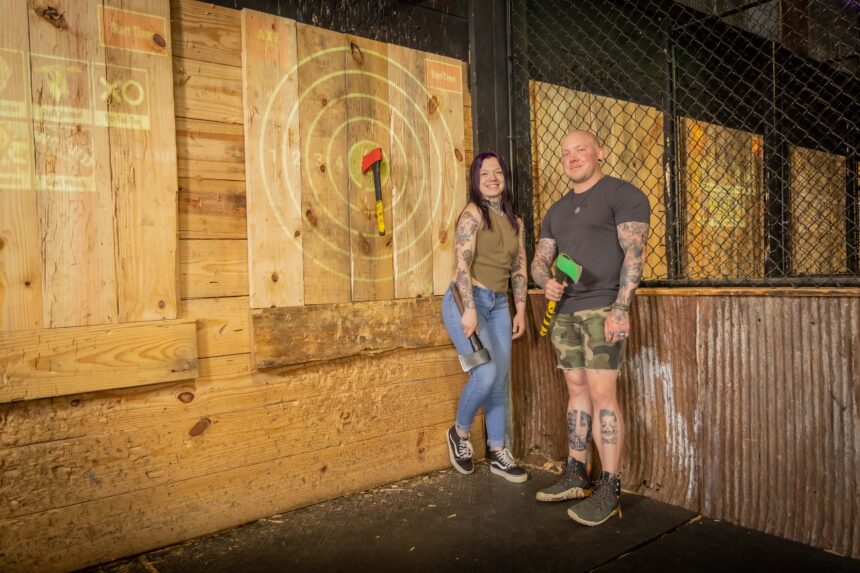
742	407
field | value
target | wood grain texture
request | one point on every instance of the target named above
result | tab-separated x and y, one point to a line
223	325
212	209
447	183
20	236
410	174
210	503
324	158
210	150
209	91
206	32
36	364
291	335
73	172
272	160
371	256
213	268
143	170
224	384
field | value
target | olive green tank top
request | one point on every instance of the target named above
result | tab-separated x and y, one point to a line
495	251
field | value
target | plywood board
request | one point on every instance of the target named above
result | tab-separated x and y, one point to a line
20	241
137	89
213	268
447	182
212	209
274	182
209	91
410	174
206	32
293	335
816	183
324	158
36	364
632	137
371	255
722	191
73	172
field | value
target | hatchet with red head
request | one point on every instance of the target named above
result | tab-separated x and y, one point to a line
372	160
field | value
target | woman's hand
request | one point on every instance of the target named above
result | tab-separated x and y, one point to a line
469	321
519	326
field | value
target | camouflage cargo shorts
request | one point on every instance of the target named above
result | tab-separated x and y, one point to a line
579	341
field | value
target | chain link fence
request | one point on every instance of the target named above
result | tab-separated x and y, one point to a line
738	119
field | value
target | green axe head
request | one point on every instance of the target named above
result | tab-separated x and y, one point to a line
568	266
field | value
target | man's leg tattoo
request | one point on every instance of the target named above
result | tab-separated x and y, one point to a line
577	442
608	427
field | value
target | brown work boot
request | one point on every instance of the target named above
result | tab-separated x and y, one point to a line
574	483
605	501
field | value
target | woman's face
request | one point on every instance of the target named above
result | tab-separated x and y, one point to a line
492	178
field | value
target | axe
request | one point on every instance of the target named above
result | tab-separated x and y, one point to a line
564	267
479	355
372	160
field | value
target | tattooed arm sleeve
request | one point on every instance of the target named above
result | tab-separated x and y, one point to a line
519	279
464	252
542	263
633	238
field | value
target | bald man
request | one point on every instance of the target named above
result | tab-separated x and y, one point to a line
602	224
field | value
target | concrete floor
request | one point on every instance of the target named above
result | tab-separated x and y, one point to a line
448	522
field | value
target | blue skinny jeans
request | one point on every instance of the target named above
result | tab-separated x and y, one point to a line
486	385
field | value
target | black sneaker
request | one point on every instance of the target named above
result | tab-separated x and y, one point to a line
573	484
502	464
460	451
605	501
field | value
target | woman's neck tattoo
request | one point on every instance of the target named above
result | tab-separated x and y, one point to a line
495	204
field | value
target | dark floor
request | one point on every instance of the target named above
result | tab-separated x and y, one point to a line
448	522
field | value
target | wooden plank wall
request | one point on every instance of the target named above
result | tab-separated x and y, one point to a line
94	476
88	225
743	407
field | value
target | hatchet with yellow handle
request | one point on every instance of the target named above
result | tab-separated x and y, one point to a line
372	160
564	267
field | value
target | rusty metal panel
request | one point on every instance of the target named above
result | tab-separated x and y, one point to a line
659	396
746	408
538	392
780	432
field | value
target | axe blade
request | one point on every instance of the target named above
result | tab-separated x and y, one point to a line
370	158
474	359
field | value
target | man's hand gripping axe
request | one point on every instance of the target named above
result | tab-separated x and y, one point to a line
372	160
564	267
479	355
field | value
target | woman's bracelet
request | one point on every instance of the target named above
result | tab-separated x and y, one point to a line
620	306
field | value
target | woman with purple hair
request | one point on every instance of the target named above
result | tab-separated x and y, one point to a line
489	250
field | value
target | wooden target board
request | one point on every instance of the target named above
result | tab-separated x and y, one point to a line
316	102
87	164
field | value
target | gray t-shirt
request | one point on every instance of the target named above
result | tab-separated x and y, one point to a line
590	238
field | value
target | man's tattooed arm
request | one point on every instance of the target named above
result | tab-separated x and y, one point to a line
464	252
542	263
519	280
633	238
